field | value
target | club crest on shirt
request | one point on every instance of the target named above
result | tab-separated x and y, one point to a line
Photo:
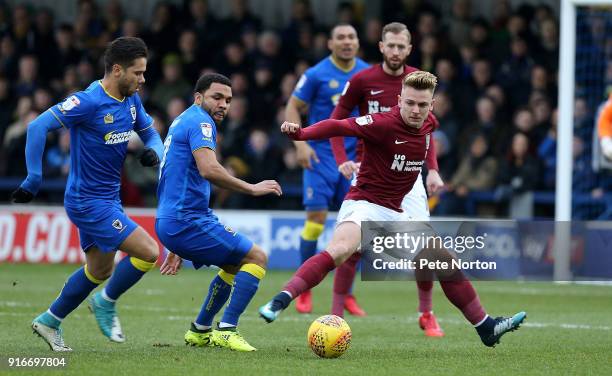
334	84
118	225
133	112
108	118
364	120
206	129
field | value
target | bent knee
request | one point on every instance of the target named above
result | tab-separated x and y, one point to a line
340	252
150	251
98	274
256	256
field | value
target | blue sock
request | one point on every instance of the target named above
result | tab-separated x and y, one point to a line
126	274
76	289
308	248
218	293
245	287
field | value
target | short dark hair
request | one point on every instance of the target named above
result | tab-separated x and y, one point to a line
208	79
124	51
333	29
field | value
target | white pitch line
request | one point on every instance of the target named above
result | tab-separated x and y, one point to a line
306	318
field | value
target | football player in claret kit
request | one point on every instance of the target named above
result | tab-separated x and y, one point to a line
324	187
187	226
376	90
101	120
395	147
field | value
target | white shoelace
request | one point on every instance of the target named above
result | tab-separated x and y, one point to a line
502	326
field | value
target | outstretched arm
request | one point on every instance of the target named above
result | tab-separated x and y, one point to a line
319	131
213	171
35	147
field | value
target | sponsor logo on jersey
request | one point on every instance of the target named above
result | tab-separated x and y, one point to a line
112	138
364	120
374	107
68	104
230	230
375	92
206	129
108	118
401	164
334	84
133	113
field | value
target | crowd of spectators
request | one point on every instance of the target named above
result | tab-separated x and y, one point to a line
496	99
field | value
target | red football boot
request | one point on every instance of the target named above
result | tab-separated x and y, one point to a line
430	325
303	303
351	305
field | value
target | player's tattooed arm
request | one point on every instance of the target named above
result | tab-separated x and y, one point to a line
210	169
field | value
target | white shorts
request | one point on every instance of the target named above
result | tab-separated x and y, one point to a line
360	210
415	203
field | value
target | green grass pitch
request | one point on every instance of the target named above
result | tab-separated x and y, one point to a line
568	330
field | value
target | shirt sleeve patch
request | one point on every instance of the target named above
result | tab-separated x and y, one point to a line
69	103
364	120
207	130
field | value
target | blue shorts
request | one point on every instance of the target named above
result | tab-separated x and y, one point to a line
323	190
101	223
203	241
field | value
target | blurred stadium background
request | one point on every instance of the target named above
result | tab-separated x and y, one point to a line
498	67
497	102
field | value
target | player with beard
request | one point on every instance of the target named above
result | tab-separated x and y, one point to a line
324	187
101	120
186	224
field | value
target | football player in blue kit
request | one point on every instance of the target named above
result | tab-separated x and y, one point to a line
187	226
324	188
101	120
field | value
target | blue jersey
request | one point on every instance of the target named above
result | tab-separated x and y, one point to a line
321	87
100	128
182	192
